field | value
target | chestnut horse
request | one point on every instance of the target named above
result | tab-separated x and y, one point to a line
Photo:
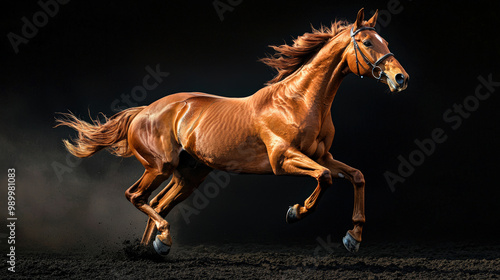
287	126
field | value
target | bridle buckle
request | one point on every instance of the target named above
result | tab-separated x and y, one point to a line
380	75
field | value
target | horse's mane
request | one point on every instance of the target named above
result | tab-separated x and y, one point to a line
288	59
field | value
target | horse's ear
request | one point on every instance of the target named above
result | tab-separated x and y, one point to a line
359	19
373	21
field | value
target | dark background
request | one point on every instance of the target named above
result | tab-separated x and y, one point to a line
92	52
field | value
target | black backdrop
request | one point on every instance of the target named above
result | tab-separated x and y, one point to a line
90	53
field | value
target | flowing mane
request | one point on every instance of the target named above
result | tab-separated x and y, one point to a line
288	59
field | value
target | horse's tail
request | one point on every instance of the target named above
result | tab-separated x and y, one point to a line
95	136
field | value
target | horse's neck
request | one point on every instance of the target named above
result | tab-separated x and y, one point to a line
316	82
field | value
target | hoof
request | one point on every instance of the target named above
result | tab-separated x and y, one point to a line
350	243
291	215
160	247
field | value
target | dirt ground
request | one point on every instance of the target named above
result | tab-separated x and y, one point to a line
253	261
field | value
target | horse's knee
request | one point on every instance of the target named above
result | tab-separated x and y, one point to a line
128	195
326	176
358	178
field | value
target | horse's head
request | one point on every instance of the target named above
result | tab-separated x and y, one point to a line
368	55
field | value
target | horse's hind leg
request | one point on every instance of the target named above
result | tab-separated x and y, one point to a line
187	177
139	193
151	227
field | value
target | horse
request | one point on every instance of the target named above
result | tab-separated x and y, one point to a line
287	126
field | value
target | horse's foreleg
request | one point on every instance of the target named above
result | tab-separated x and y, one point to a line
342	170
293	162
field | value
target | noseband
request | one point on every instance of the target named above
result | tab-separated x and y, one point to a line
357	49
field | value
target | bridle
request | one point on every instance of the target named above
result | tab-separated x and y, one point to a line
357	49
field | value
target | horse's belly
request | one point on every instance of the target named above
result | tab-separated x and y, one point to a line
232	153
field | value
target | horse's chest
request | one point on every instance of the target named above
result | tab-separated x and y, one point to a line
315	149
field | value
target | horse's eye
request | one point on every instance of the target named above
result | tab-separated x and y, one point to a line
367	43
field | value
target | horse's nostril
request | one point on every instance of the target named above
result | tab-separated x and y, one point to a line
400	79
